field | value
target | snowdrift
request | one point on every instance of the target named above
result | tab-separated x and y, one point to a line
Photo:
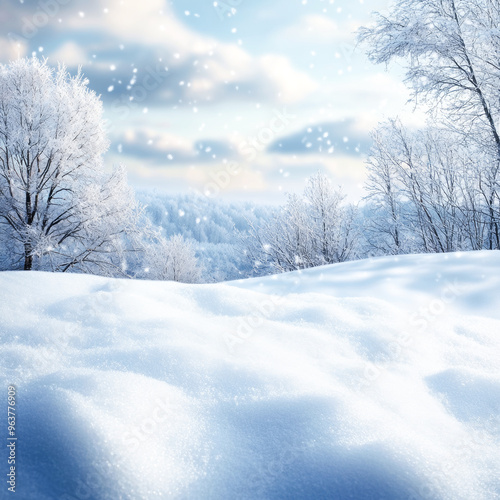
376	379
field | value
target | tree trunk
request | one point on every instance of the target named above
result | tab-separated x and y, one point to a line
28	257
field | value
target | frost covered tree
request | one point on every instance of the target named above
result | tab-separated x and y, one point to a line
327	219
451	48
171	259
424	192
385	224
310	230
58	209
283	242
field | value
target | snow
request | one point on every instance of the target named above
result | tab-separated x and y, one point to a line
366	380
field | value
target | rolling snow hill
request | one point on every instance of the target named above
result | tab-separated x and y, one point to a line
374	379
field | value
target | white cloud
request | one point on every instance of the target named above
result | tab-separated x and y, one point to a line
163	140
320	29
209	66
290	84
12	49
69	54
161	148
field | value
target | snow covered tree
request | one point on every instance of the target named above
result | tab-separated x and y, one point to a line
326	214
384	224
452	48
308	231
170	260
58	209
425	191
284	242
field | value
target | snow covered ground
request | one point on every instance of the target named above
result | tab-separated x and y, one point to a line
376	379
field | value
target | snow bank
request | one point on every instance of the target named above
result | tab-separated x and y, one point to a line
366	380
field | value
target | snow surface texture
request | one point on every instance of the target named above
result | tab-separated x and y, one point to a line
374	379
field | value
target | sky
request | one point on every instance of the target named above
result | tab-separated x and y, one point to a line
239	99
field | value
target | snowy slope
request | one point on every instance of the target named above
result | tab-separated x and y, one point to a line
368	380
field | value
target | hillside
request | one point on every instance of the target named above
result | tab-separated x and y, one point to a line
375	379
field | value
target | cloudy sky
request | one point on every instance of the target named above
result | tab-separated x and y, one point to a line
241	99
